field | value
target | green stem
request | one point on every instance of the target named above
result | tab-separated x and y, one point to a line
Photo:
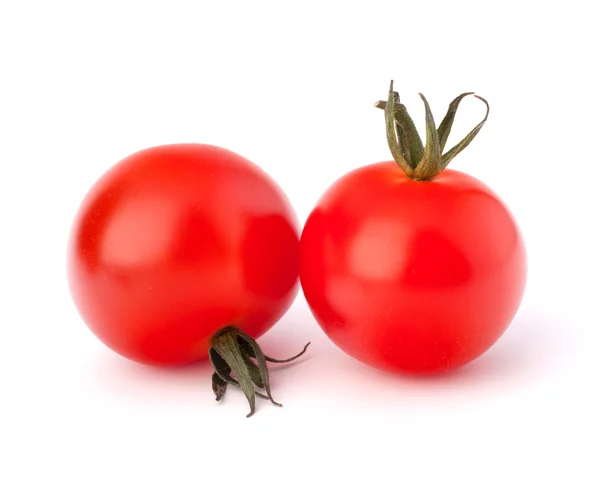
423	164
392	136
238	360
431	164
446	125
452	153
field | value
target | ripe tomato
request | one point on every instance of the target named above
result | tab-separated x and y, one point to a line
176	242
419	275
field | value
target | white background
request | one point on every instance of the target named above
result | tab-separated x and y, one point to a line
291	86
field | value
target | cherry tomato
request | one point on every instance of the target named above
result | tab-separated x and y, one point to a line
409	275
176	242
419	272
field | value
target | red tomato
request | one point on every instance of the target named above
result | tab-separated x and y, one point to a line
175	242
412	276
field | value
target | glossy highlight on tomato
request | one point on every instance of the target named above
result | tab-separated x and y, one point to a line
174	243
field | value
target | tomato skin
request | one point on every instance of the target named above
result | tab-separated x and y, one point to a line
175	242
412	276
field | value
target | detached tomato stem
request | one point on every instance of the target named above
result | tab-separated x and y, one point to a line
233	351
423	164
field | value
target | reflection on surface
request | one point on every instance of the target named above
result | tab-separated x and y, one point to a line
139	232
378	251
385	250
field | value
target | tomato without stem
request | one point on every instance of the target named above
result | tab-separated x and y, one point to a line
419	272
176	242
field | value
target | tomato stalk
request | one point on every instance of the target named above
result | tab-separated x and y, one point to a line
418	162
238	360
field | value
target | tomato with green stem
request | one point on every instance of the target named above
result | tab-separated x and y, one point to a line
409	266
183	249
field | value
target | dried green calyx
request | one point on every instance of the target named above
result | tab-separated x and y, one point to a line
238	360
418	162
